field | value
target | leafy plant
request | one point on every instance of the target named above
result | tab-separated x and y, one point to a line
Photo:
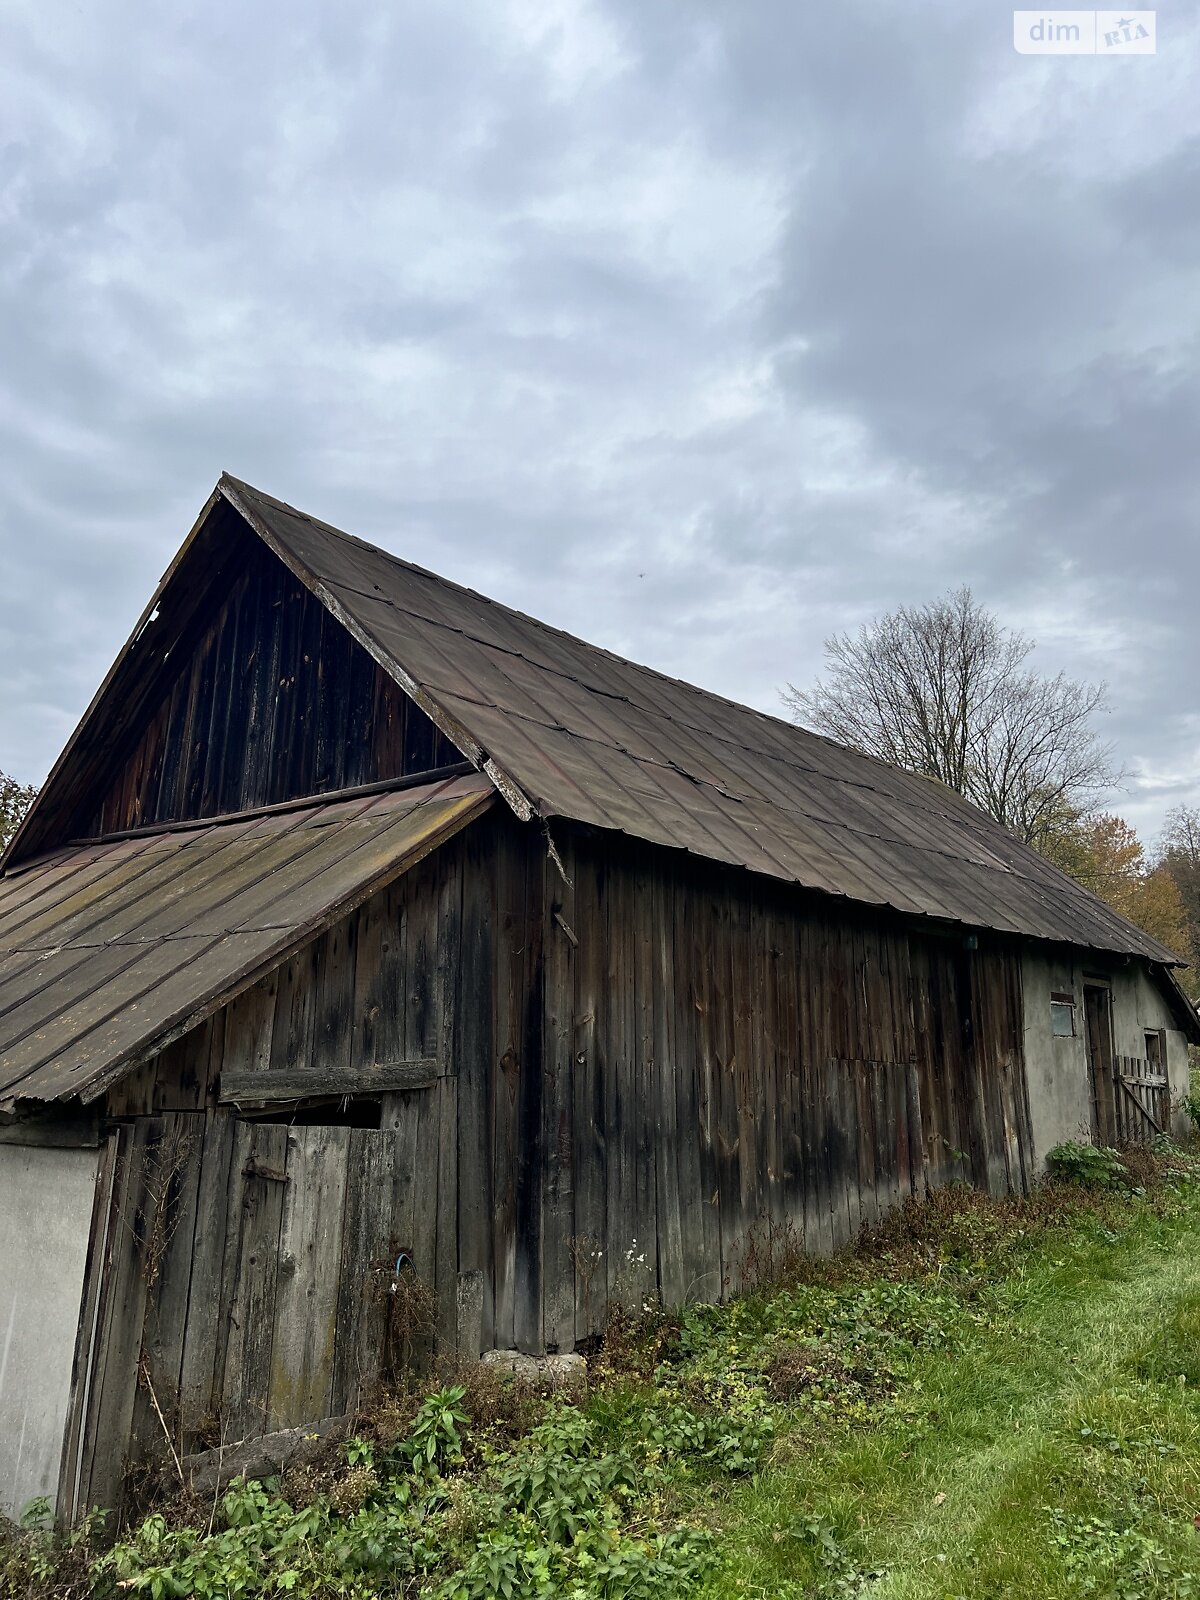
437	1433
1190	1103
1114	1557
1091	1165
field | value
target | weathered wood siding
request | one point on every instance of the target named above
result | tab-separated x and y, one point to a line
659	1059
248	1262
275	700
731	1069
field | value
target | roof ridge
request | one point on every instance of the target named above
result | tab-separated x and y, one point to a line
784	723
595	710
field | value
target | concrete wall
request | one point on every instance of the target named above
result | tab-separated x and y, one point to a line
1056	1069
45	1216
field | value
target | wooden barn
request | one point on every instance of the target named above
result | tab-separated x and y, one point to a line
382	968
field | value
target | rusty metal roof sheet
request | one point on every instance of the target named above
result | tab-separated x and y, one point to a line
110	949
570	730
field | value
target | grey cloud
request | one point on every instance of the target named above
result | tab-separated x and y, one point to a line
700	330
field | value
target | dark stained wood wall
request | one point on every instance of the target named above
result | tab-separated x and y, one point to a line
646	1077
731	1069
274	700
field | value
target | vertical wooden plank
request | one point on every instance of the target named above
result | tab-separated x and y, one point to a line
310	1252
899	1073
295	1009
673	1143
187	1072
173	1165
367	1228
682	1200
333	1009
506	1077
420	961
219	727
560	940
259	1159
448	864
218	1209
476	1031
749	1202
728	1165
590	1121
916	1129
380	1001
428	1106
768	1007
848	1116
528	1326
818	1230
687	926
620	1081
868	1178
642	1100
417	1116
788	980
249	1021
120	1318
833	1152
402	1125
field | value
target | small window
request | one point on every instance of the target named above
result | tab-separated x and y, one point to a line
1062	1016
1154	1049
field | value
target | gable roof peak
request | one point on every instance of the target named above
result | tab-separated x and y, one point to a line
568	729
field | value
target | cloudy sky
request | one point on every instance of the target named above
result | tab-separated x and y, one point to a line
699	329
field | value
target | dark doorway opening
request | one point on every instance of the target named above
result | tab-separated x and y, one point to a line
1097	1004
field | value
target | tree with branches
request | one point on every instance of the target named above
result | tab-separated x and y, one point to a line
946	690
15	800
1179	856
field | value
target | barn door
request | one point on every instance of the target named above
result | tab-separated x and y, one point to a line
322	1216
1097	1002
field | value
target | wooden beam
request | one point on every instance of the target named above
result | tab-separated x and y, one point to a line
306	1083
210	1470
72	1132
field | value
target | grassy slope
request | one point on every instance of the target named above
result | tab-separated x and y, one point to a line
954	1494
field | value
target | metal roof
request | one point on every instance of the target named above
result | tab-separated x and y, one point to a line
110	949
566	729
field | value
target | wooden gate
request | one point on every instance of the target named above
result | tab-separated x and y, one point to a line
1142	1095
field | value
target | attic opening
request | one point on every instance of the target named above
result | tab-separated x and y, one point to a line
242	693
320	1112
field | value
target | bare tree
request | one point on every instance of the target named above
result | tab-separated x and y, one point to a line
944	689
15	800
1179	855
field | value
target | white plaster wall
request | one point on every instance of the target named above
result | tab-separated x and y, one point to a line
45	1216
1057	1069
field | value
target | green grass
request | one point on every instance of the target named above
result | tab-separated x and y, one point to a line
1056	1453
989	1399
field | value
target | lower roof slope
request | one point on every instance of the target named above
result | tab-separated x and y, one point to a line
110	949
569	730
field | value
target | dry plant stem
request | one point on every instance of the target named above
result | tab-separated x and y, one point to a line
145	1372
